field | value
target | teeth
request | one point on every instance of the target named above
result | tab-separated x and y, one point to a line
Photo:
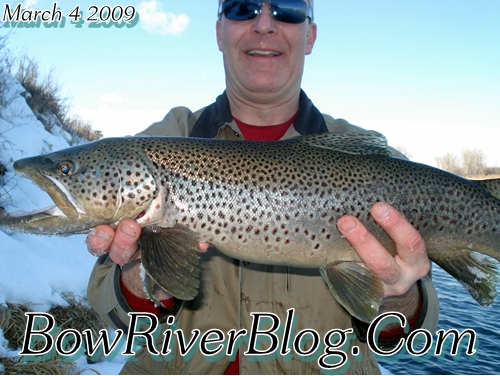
265	53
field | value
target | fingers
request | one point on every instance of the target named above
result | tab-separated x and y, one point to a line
409	244
124	247
398	272
99	239
203	246
122	244
374	255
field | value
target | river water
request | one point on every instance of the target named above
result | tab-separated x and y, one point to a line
458	311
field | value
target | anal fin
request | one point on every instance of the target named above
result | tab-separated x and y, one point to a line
475	271
170	258
355	288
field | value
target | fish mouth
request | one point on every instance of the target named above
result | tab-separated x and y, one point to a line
64	218
63	199
65	203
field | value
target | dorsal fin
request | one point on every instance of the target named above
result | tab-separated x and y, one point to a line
491	185
369	143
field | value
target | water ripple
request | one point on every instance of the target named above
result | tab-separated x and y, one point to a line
458	311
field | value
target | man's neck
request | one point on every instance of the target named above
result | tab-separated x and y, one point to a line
265	110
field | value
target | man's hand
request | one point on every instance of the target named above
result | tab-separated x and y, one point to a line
122	244
399	272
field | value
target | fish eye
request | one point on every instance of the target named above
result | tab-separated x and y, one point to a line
65	169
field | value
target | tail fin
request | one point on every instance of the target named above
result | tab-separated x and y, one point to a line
477	273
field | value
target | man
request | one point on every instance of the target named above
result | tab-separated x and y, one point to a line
264	47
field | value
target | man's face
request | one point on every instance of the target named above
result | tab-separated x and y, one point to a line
264	55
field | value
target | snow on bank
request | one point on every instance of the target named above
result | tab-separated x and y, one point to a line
36	270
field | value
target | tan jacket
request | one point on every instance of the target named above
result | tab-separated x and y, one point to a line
231	290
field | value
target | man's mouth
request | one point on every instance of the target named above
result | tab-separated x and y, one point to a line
263	53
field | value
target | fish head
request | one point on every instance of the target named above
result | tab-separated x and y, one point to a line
104	181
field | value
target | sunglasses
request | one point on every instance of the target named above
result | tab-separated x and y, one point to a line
288	11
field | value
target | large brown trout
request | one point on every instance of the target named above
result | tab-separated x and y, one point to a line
267	202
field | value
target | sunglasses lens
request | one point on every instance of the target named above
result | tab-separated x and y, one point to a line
289	11
241	10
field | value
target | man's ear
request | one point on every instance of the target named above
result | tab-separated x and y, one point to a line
218	33
311	37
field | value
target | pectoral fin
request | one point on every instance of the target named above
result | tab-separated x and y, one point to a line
170	258
475	271
355	288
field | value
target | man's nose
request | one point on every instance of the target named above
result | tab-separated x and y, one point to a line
265	23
